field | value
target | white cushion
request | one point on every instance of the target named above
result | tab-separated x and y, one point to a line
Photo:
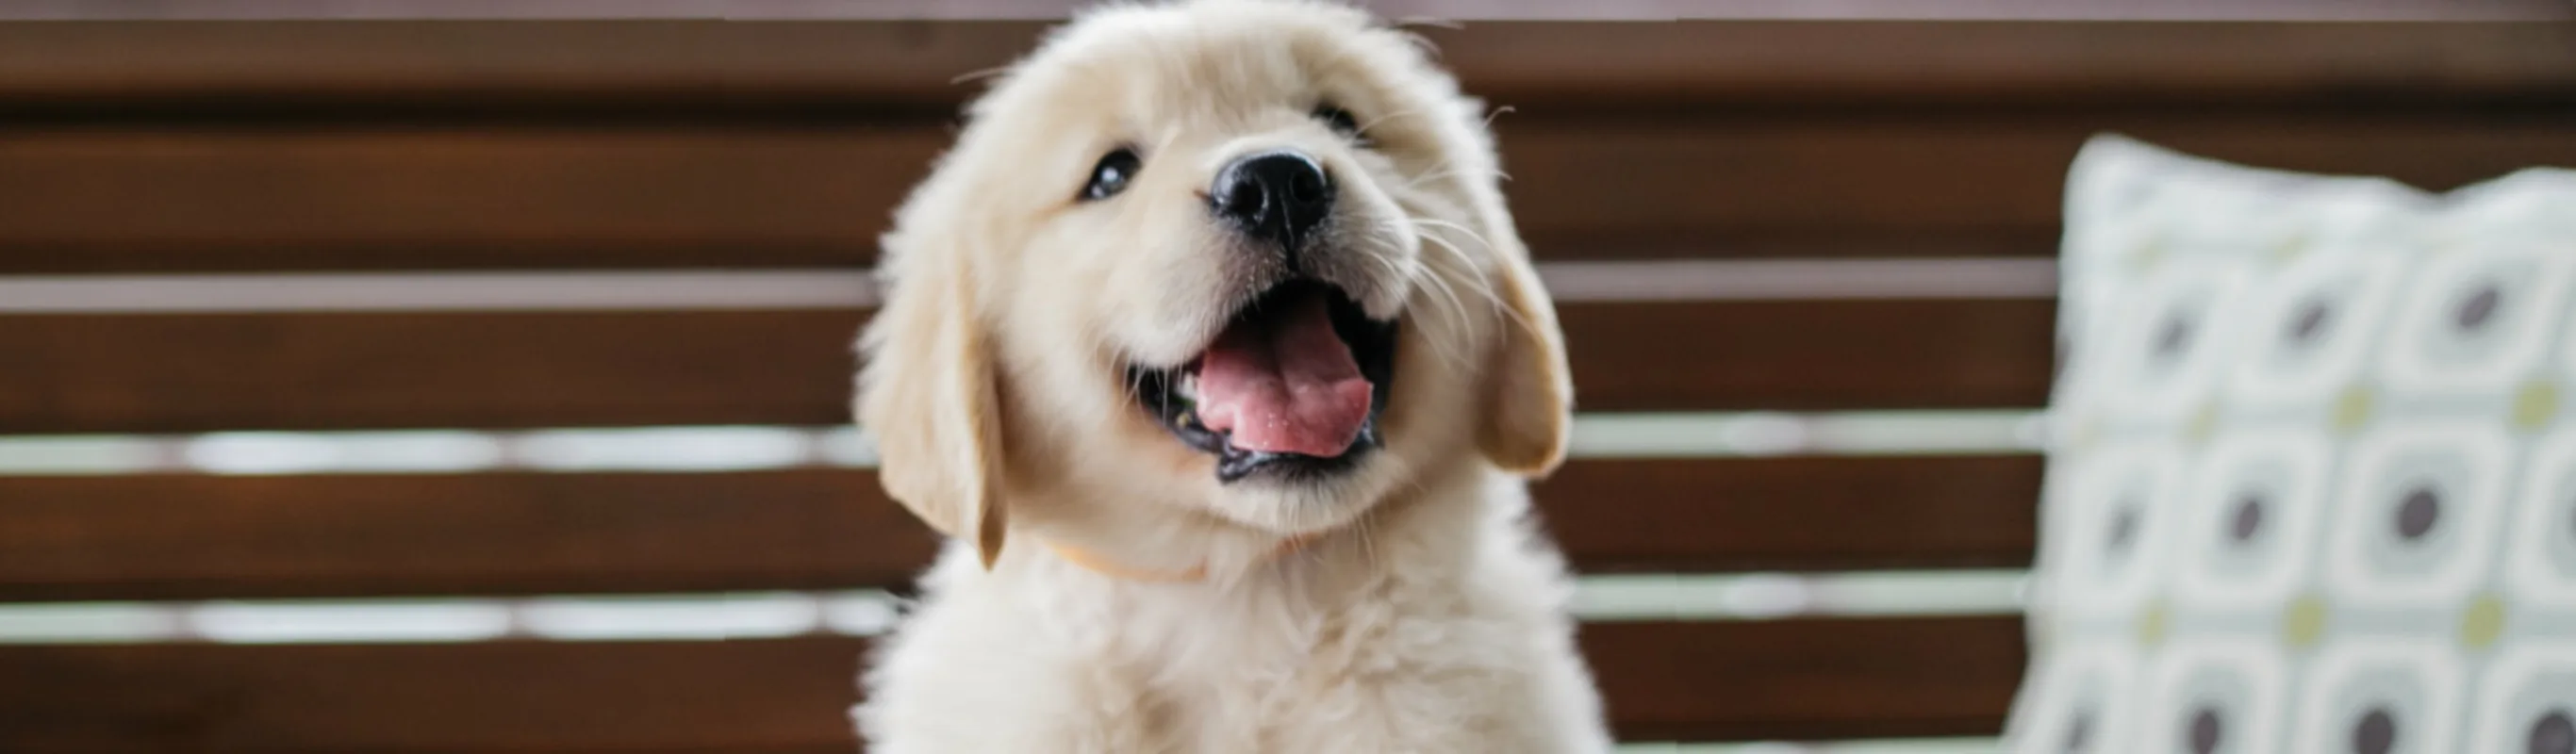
2312	478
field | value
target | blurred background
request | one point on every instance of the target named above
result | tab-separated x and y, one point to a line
401	375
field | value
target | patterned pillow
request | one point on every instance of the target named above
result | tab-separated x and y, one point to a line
2313	483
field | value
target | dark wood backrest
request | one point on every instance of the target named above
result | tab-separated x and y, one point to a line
1802	153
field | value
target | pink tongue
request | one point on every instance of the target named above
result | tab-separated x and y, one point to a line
1284	383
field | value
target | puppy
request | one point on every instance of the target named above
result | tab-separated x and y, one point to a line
1212	347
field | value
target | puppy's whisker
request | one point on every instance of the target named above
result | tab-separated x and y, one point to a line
1424	229
1118	355
1441	347
1434	282
1481	286
1461	255
1424	278
1456	259
979	75
1430	280
1445	170
1470	233
1467	266
1364	127
1436	172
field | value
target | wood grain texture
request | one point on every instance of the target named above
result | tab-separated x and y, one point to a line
201	537
1642	10
115	373
182	373
297	198
1797	679
1810	355
1795	513
1885	185
1807	679
705	67
1585	185
181	537
761	697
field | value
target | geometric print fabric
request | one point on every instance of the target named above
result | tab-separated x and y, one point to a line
2312	477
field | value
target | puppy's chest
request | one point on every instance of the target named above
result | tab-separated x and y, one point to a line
1347	682
1266	694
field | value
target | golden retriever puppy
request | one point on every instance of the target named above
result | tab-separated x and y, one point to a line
1213	348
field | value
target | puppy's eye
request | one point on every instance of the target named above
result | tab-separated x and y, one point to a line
1339	119
1112	174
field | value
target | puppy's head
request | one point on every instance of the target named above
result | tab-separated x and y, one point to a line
1224	264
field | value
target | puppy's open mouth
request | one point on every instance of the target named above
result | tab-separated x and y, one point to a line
1292	388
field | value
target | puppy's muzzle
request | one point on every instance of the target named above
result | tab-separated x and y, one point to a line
1279	197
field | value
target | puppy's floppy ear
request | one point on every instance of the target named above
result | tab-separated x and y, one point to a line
1528	396
928	394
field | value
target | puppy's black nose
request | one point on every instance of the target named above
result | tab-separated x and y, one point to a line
1274	196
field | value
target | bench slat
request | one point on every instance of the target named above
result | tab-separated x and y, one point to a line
176	373
1586	185
180	537
1664	681
179	373
201	537
1795	513
169	201
590	65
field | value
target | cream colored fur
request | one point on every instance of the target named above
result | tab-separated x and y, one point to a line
1420	613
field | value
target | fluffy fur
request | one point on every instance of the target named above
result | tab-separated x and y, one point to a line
1403	605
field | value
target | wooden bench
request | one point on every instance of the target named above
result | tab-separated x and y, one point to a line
429	149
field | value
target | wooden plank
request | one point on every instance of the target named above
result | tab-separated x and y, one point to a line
759	697
1732	65
1794	513
1459	10
1664	681
199	537
177	537
1585	185
183	373
138	70
1810	355
1928	184
170	200
149	373
1807	679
